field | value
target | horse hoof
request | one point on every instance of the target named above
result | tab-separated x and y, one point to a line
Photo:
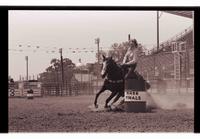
107	107
96	106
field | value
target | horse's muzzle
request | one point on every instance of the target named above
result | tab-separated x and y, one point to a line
103	76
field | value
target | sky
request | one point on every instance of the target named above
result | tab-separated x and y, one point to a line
40	34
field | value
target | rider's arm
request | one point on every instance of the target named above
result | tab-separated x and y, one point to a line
131	62
125	58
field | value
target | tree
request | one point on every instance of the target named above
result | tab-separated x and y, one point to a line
55	63
51	77
68	67
49	69
118	51
53	72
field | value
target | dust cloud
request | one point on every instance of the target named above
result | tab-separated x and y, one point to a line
170	100
161	100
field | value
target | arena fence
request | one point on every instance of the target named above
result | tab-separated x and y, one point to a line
19	89
160	85
172	86
69	88
164	71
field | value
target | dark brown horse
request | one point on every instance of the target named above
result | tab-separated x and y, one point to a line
114	80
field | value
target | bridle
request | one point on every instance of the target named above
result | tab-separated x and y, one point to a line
113	81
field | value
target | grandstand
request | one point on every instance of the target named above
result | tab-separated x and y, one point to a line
165	55
186	35
171	62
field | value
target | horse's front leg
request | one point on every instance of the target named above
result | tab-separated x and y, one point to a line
116	98
97	95
109	98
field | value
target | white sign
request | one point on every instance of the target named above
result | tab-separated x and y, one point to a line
21	85
39	85
132	96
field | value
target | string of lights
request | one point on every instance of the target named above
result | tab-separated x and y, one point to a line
51	50
54	50
70	48
48	51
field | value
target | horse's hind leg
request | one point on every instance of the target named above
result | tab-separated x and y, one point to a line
109	98
97	95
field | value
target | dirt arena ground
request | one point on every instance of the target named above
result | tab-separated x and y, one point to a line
71	114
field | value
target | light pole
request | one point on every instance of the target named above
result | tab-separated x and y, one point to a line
157	30
97	41
62	71
129	37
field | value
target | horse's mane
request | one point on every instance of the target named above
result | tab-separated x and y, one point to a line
115	63
115	67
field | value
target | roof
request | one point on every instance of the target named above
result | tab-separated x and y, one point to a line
187	14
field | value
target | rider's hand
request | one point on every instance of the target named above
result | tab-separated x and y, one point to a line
123	65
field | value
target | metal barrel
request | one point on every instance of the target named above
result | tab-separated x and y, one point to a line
30	94
133	100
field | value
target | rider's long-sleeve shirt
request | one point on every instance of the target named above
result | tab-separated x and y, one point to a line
131	56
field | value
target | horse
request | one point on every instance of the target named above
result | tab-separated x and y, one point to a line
113	82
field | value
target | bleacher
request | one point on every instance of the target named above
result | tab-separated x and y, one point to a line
171	68
163	62
185	35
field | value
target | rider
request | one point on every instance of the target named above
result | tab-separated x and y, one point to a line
130	58
129	64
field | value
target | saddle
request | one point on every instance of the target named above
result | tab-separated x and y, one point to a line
131	73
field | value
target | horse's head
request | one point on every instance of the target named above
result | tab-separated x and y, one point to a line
108	63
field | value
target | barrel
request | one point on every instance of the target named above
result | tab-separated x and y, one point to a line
133	100
135	106
30	94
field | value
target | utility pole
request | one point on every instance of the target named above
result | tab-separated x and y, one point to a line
129	37
193	29
20	77
154	55
157	30
62	71
97	41
26	58
81	73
